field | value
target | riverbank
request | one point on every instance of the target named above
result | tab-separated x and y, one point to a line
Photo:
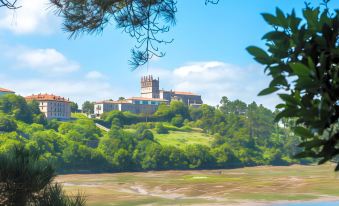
255	186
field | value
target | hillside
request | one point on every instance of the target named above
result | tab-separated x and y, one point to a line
175	137
181	139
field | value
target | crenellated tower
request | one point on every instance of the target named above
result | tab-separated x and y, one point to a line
150	87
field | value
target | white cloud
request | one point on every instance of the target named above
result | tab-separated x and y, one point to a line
215	79
45	60
95	75
34	16
77	90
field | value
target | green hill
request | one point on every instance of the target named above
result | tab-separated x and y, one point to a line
181	139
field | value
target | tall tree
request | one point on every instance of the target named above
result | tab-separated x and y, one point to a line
303	60
88	107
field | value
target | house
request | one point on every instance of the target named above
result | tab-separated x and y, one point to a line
135	105
54	107
4	91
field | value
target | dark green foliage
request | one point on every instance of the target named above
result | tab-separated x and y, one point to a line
88	107
74	107
160	129
243	135
199	156
177	121
53	195
12	104
26	180
303	60
7	124
146	134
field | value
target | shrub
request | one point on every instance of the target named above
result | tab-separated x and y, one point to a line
160	129
26	180
177	121
7	124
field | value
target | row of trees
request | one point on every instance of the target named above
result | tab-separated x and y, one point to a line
243	135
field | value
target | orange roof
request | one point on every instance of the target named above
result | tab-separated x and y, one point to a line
185	93
113	102
47	97
147	99
5	90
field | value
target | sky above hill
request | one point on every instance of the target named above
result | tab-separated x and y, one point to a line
207	56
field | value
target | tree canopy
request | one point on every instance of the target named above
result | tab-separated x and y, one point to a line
302	58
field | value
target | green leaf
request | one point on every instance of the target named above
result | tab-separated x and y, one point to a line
267	91
302	132
279	106
279	80
281	18
274	35
270	19
288	99
256	51
260	55
300	69
288	112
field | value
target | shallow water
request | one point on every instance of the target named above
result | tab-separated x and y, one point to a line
335	203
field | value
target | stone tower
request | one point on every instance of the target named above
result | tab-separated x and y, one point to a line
150	87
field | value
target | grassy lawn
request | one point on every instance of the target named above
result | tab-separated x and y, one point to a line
79	116
244	186
180	139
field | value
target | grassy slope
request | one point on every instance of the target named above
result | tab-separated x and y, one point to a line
212	187
180	139
174	138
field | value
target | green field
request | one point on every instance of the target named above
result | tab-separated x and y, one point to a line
180	139
246	186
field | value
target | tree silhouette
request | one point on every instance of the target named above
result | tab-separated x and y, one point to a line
8	4
143	20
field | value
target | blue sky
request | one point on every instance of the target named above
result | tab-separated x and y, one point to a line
207	56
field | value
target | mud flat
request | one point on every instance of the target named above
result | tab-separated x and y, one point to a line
255	186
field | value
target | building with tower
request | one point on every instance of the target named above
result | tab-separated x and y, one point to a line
150	87
150	98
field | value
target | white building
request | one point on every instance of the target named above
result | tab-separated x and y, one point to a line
135	105
151	98
54	107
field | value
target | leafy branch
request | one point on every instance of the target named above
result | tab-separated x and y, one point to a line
9	4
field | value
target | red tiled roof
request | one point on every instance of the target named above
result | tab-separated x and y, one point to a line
5	90
47	97
185	93
147	99
181	93
113	102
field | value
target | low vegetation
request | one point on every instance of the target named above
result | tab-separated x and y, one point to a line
175	137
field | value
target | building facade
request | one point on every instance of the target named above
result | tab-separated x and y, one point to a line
150	99
187	98
150	87
54	107
4	91
137	105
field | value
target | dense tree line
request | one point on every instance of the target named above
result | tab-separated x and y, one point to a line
243	135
